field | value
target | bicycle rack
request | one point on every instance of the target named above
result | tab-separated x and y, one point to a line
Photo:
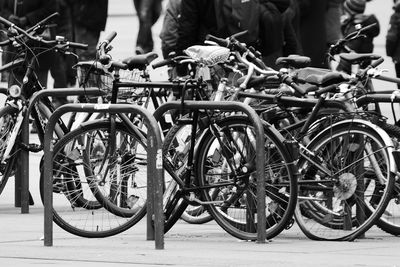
155	172
260	156
22	172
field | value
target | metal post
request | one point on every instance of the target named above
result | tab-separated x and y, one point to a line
23	170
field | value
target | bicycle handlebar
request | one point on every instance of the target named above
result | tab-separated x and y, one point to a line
42	22
373	64
233	44
173	61
105	58
340	44
77	45
162	63
328	89
361	30
219	41
62	43
110	37
289	81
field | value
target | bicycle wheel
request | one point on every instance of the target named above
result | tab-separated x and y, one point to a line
347	179
226	172
99	192
7	124
175	151
390	218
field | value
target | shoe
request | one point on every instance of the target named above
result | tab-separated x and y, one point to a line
139	50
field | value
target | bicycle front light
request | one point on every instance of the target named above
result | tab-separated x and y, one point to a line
14	91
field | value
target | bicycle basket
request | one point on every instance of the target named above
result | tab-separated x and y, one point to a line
131	94
92	74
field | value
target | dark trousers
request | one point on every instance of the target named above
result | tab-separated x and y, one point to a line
44	61
89	37
148	12
397	69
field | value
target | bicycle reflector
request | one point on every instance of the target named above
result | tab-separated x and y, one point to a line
14	91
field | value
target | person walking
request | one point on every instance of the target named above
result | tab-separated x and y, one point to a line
89	20
169	30
148	12
61	70
393	38
313	31
352	20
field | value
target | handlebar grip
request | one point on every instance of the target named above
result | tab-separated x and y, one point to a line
289	81
110	37
219	41
327	89
371	66
78	45
55	14
377	62
162	63
297	88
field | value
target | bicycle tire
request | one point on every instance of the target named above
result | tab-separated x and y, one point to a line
236	213
336	204
389	221
7	122
106	220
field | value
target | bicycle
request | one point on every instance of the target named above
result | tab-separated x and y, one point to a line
17	103
312	191
86	180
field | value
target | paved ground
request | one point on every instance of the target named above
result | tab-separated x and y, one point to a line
185	245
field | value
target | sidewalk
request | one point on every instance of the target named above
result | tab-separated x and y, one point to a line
185	245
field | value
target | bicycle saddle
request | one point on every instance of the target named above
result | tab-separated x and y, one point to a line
140	61
295	61
209	55
356	58
320	77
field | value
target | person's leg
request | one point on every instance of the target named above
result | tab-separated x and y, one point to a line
397	69
70	72
91	38
156	9
144	42
58	72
